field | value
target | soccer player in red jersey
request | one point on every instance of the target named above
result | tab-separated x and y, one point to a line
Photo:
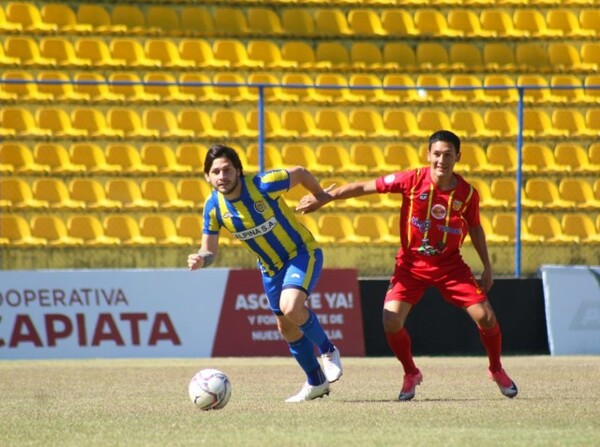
438	209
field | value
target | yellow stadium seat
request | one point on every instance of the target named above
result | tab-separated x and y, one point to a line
298	154
20	157
58	123
580	225
298	22
339	226
432	120
366	56
594	155
93	121
264	21
538	91
230	21
25	50
98	18
504	189
365	22
16	229
128	192
432	56
404	122
233	123
500	88
486	199
537	123
163	157
192	155
566	21
199	87
301	121
367	89
592	119
92	157
331	22
490	236
337	158
466	22
19	196
589	20
468	89
575	156
401	156
375	228
200	122
503	154
302	55
272	92
131	17
498	56
296	85
166	87
568	89
98	53
333	89
548	228
64	18
90	230
336	122
130	86
59	86
23	86
311	224
16	121
129	122
433	88
164	122
272	125
201	53
190	226
370	123
400	56
8	27
401	88
194	190
572	122
197	20
505	224
501	120
61	50
546	192
132	52
95	87
578	191
590	53
55	192
533	23
371	157
28	16
398	22
431	22
566	57
269	55
469	123
473	158
164	18
162	229
57	158
233	87
167	53
271	156
234	52
539	158
91	192
126	229
164	193
533	56
466	56
334	54
128	159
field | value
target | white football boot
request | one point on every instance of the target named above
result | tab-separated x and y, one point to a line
332	365
310	392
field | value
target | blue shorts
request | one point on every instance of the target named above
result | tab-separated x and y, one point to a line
301	272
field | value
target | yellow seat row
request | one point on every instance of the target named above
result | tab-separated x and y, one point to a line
364	21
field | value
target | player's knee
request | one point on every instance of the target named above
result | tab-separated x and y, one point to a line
391	323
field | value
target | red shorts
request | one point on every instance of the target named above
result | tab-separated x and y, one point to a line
453	278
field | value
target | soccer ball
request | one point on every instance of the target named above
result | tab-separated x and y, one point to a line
210	389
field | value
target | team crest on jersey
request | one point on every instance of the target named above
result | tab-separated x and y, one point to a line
438	211
260	206
456	205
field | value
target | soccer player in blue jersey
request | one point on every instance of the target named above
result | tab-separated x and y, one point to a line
253	210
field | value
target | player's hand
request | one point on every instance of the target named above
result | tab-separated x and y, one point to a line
195	261
487	280
312	202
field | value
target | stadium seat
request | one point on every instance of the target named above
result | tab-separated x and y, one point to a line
167	88
57	158
532	23
272	92
592	120
366	56
128	192
468	89
59	86
431	22
548	228
503	154
163	230
340	227
132	18
540	158
7	27
93	122
589	20
269	54
234	52
365	22
432	120
28	16
538	124
272	156
504	189
303	123
375	228
264	21
474	159
311	224
575	156
196	19
89	229
498	56
590	53
594	155
230	21
62	52
398	23
94	86
336	122
55	192
303	56
469	123
195	190
337	158
565	57
91	192
334	54
19	122
432	57
490	236
129	85
189	226
568	89
192	155
504	225
92	157
400	56
298	154
580	225
98	53
331	22
16	229
370	123
500	88
578	191
434	88
502	120
546	192
129	122
199	87
163	18
167	53
22	84
233	123
272	125
467	57
499	22
20	157
333	89
201	53
298	85
486	199
298	22
164	193
58	123
132	52
572	121
200	122
404	122
533	57
64	18
401	156
163	157
128	159
98	18
566	21
18	195
25	50
466	23
367	89
164	122
401	88
539	93
126	229
233	87
371	157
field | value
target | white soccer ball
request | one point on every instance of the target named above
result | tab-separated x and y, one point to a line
210	389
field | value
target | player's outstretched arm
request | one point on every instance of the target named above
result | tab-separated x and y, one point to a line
312	202
478	239
207	253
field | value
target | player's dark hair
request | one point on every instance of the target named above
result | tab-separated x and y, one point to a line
447	137
222	151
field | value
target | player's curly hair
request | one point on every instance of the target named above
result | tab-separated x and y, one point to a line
447	137
220	151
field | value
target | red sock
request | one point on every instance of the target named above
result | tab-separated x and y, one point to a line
401	346
492	342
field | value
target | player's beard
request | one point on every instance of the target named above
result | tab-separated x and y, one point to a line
231	189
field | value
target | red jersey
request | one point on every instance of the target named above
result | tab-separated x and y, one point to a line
433	223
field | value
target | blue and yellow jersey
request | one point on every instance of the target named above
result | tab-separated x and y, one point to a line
261	220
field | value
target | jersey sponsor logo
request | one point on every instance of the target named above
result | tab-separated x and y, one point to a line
257	231
446	229
260	206
457	204
438	211
422	225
